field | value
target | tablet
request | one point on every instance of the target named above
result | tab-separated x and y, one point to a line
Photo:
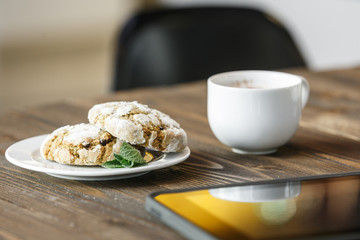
323	208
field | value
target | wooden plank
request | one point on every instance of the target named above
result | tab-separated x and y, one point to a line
37	206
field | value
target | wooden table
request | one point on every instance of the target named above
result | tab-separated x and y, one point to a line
35	205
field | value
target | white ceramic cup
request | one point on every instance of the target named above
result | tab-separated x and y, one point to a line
255	112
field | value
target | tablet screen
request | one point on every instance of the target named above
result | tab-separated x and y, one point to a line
272	211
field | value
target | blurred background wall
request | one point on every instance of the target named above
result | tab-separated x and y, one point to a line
51	50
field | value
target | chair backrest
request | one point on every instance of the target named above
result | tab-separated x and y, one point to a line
162	47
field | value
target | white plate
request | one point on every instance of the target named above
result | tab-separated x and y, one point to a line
26	154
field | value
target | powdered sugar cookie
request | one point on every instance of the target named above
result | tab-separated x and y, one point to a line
80	144
138	124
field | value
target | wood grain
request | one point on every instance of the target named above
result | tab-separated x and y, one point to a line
37	206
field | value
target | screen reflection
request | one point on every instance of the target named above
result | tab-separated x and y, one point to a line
275	202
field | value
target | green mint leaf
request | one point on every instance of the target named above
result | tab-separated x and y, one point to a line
127	164
112	164
127	158
118	157
131	154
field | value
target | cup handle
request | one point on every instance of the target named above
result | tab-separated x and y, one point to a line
305	92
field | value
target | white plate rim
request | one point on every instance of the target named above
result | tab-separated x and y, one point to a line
26	148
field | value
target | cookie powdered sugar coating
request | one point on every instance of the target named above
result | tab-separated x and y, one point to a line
80	144
138	124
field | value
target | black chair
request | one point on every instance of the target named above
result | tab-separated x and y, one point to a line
162	47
